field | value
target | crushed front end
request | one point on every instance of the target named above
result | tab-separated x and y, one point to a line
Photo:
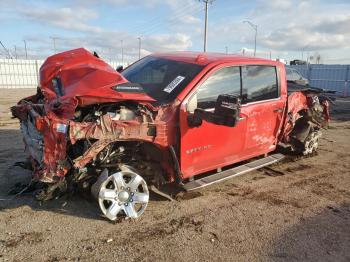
84	130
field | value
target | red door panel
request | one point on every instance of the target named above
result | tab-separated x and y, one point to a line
209	146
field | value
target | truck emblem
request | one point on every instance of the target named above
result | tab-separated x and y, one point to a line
196	149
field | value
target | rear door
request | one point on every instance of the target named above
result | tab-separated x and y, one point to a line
262	107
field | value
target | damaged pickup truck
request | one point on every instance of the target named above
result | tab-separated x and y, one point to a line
181	118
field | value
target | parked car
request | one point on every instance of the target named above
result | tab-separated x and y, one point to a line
178	118
294	76
298	62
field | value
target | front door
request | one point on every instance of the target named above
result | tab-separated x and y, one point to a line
211	146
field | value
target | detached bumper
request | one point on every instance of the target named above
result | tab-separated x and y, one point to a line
32	138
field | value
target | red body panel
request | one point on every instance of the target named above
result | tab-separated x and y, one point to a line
87	80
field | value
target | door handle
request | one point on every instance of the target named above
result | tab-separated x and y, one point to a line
241	118
278	110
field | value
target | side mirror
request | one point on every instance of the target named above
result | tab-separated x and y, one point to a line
226	113
120	69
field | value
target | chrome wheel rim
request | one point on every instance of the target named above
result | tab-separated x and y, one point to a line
311	144
124	192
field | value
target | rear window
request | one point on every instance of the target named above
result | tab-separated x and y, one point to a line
162	79
259	83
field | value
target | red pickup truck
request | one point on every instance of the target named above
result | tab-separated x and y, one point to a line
184	118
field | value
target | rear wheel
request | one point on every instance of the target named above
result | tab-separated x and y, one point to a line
311	143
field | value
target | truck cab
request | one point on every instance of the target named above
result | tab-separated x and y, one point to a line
259	85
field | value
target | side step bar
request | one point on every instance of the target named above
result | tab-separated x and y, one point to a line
236	171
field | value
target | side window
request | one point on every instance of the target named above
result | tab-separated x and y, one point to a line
259	83
224	81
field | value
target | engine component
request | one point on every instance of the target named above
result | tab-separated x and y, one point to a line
126	114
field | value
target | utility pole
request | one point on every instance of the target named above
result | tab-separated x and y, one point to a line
15	48
139	38
206	2
226	48
121	44
302	51
255	27
54	44
25	48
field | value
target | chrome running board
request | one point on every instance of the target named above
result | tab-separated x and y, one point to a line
233	172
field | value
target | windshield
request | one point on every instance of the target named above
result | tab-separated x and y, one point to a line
160	78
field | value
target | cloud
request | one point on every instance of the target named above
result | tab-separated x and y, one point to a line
64	17
105	41
168	42
286	25
339	24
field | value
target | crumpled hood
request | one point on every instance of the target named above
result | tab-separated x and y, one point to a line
85	77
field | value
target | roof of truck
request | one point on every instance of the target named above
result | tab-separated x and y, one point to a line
208	58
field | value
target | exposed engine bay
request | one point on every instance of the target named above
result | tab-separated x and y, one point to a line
100	139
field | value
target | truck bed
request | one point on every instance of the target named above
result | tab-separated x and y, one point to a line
294	87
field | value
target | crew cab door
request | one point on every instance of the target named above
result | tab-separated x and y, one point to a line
210	146
262	106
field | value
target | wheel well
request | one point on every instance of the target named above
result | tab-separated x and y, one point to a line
301	128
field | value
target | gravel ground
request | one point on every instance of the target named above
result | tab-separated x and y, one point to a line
296	210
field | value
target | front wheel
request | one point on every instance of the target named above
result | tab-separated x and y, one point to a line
121	193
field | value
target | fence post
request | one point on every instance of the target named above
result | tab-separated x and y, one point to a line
37	73
346	82
309	68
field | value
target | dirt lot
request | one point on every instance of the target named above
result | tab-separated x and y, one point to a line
298	210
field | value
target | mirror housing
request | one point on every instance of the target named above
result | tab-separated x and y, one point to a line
226	113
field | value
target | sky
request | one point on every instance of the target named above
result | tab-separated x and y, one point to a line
287	29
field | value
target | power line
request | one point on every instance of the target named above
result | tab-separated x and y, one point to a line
150	30
159	21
